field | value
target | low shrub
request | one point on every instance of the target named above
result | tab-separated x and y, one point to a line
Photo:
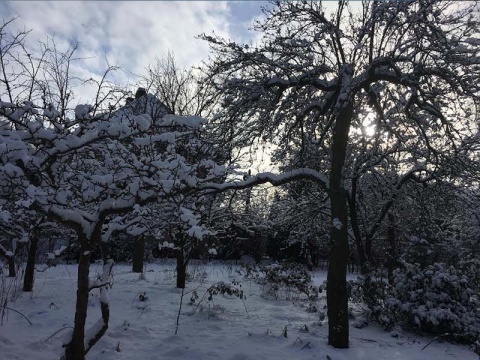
436	299
293	279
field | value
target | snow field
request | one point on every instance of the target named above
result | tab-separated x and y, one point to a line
218	329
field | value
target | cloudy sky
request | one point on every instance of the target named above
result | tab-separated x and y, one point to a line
131	34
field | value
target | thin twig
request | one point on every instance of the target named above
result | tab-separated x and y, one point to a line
56	332
435	338
18	312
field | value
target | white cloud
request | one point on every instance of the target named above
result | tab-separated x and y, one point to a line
127	33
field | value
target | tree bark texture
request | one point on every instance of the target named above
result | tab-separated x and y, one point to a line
138	254
181	269
10	258
12	272
75	349
29	276
352	202
337	295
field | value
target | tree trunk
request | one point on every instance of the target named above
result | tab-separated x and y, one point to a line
181	269
75	349
138	254
352	202
392	247
10	257
29	276
102	324
11	266
368	252
337	295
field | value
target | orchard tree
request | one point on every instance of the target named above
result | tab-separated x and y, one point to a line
181	217
181	91
90	168
13	232
414	65
20	227
91	173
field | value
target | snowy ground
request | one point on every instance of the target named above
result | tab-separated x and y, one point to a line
146	330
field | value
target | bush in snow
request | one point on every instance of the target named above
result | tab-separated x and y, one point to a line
419	250
368	294
207	305
225	289
292	279
436	299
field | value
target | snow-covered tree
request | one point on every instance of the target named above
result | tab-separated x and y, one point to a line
89	173
414	64
13	232
92	168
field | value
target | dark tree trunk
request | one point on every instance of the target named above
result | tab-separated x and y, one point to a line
30	267
352	202
392	247
11	266
368	251
69	246
103	248
337	295
181	269
138	254
10	257
75	349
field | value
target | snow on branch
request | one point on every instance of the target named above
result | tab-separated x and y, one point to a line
274	179
7	254
103	280
133	227
82	176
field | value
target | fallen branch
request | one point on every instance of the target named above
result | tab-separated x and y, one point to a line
435	338
18	312
56	332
